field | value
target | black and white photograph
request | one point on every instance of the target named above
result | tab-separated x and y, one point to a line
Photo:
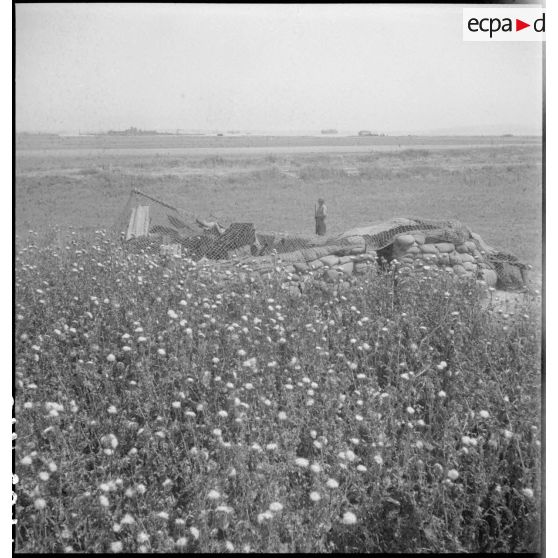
278	278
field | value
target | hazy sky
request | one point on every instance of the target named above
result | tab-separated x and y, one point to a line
267	67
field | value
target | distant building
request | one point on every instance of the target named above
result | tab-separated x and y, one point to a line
329	131
367	133
132	132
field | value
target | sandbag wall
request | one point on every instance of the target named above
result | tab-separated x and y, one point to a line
330	262
332	268
352	254
415	250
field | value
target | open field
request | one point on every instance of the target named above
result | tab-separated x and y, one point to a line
491	184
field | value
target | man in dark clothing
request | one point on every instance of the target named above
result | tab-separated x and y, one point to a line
320	215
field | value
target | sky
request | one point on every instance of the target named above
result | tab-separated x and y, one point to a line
385	68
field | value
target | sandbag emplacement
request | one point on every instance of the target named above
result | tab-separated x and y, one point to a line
413	243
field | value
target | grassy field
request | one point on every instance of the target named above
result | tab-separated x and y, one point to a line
158	411
495	189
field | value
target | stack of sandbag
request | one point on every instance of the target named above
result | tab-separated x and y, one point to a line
303	260
329	262
414	243
329	268
332	267
464	260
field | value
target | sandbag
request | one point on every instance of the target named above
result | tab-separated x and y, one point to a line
470	267
445	247
467	247
413	250
429	249
420	238
330	261
346	268
354	240
322	251
357	249
404	241
455	259
316	264
342	249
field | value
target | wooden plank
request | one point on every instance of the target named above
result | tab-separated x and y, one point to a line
142	220
139	222
129	232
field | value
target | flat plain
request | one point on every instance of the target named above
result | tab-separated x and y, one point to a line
492	184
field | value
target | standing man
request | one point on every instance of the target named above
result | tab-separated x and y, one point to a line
320	216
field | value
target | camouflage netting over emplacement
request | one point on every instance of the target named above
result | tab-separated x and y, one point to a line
149	224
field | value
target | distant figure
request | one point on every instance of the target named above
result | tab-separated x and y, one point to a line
320	216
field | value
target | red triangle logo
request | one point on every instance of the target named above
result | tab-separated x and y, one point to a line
519	25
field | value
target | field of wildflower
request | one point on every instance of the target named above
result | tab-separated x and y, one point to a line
160	409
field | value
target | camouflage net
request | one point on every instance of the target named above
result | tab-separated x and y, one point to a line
147	223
